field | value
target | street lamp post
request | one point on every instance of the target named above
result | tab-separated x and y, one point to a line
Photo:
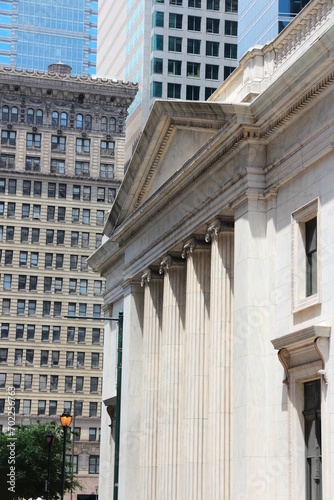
49	440
65	420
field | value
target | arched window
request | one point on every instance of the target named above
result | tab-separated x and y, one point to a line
14	114
30	115
88	122
55	118
5	113
112	125
79	121
63	120
39	117
103	124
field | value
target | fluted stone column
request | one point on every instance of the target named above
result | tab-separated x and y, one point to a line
221	317
171	350
153	284
195	383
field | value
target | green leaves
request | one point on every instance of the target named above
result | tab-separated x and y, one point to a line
30	451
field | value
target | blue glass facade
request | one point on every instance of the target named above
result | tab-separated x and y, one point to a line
261	20
36	33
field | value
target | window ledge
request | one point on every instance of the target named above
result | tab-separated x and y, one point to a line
307	302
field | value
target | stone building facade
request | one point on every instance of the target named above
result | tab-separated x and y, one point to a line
61	163
219	253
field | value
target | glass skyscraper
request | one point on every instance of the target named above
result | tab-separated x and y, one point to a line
261	20
36	33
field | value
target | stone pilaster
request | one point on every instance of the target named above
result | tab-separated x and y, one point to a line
220	381
195	382
171	350
153	284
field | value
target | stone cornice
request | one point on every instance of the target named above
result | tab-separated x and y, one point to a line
7	72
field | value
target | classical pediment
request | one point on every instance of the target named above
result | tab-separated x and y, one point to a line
175	132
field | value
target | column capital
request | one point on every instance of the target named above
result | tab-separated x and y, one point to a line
190	246
167	262
216	227
147	276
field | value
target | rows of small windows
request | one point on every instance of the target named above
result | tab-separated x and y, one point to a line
58	119
24	407
81	239
174	91
48	308
194	46
50	260
27	357
58	190
195	23
34	211
52	383
230	5
193	69
52	284
47	333
58	143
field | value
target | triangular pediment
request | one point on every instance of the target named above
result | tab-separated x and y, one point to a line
174	133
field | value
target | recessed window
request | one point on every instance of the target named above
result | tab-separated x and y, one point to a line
211	71
33	140
230	50
157	42
54	382
106	171
194	23
212	25
11	186
193	46
71	329
192	93
33	280
193	69
76	192
93	409
82	146
231	6
69	360
174	90
92	434
197	4
213	4
4	331
212	49
107	148
7	161
157	65
27	382
32	164
174	44
52	190
48	260
158	19
231	28
25	211
82	168
8	138
94	464
44	358
57	166
305	276
227	71
174	67
175	21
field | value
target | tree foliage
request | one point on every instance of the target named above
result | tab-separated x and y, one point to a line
31	459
